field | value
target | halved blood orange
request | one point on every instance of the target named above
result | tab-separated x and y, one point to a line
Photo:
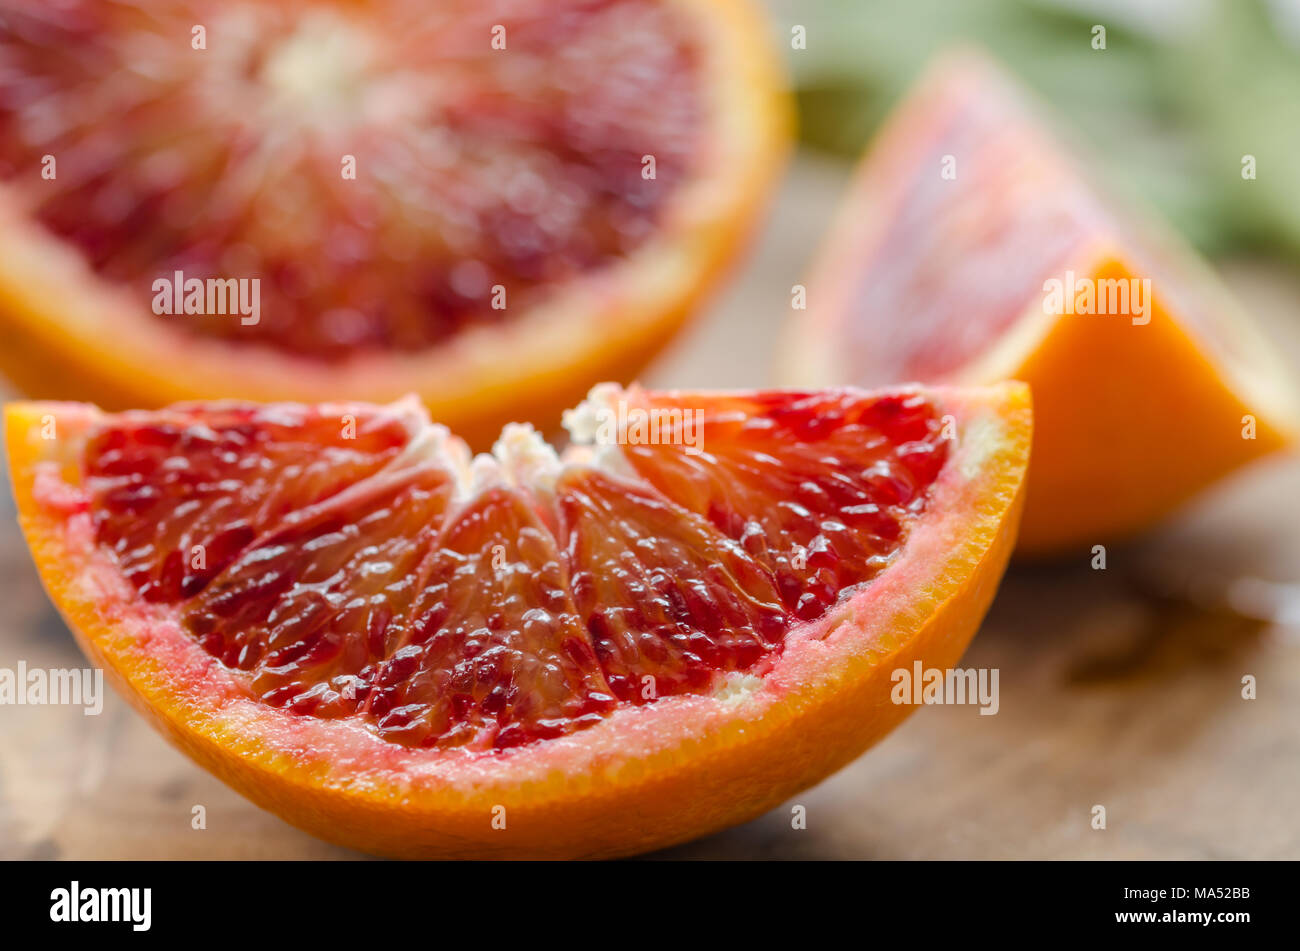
941	269
490	203
690	615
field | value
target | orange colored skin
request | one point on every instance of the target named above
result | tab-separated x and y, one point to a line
70	335
1132	422
646	777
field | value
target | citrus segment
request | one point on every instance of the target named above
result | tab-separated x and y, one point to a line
160	484
766	484
971	248
665	595
569	635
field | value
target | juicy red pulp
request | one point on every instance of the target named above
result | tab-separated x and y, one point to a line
475	168
346	577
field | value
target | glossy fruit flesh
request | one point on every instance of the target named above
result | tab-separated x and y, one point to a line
350	564
388	174
632	720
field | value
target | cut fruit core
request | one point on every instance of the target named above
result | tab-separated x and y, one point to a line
354	561
391	173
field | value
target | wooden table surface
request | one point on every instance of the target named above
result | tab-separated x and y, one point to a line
1119	688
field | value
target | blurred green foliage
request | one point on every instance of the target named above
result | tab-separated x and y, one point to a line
1168	109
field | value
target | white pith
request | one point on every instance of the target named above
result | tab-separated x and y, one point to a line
317	70
521	457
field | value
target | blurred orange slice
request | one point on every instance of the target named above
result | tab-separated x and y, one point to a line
971	249
491	204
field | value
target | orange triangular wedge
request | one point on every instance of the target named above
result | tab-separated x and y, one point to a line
972	249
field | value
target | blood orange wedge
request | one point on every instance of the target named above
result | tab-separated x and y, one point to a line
491	203
691	614
971	249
